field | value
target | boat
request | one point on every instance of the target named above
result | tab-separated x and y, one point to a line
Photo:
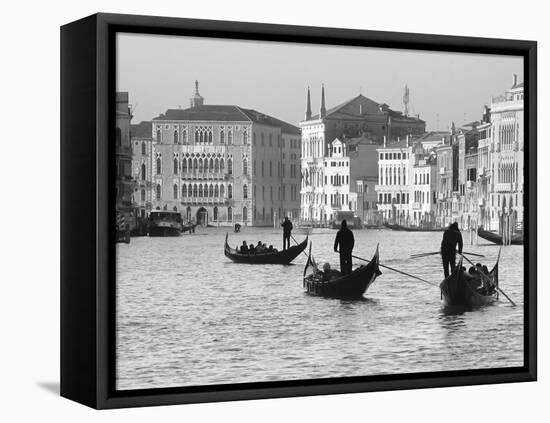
352	286
459	289
165	223
278	257
396	227
517	239
189	227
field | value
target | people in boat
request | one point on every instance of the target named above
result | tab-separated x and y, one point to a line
259	247
244	248
287	230
343	244
251	249
451	239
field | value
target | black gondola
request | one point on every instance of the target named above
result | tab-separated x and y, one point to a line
351	286
458	289
279	257
396	227
517	239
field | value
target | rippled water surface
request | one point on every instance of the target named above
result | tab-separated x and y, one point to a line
187	316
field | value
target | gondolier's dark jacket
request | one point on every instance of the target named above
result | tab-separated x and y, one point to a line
450	239
346	241
287	227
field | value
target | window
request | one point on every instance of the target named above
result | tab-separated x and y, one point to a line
176	137
245	191
229	191
211	165
245	139
183	191
159	136
159	166
216	165
211	191
142	195
143	172
200	190
270	168
271	193
176	166
216	191
143	149
184	137
254	167
229	166
222	190
221	165
229	137
262	168
195	164
245	214
195	192
184	165
222	137
229	213
158	192
245	167
216	213
175	189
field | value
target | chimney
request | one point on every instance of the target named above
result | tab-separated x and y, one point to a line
515	80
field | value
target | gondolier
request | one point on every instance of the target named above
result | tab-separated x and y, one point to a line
287	230
451	239
343	244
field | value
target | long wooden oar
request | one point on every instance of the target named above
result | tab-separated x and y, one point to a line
397	271
498	289
419	255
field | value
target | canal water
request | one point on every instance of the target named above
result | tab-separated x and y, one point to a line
188	316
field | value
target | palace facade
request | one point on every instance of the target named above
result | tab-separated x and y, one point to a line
224	164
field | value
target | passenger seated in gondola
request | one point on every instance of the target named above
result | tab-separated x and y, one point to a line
244	248
251	249
259	247
270	249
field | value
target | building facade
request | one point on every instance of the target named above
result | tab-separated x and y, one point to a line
142	167
124	184
220	165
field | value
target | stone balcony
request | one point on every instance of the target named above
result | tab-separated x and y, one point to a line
204	201
204	175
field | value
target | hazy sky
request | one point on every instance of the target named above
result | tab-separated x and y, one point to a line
159	74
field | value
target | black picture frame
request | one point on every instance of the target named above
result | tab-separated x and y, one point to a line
87	220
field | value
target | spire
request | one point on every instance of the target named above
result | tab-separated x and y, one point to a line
197	99
323	111
308	109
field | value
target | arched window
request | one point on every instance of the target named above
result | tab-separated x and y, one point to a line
245	191
142	195
229	214
211	165
143	149
158	192
221	165
184	165
195	164
159	166
195	190
229	137
184	137
143	172
200	165
245	137
245	214
176	141
216	191
210	137
216	213
188	214
176	166
222	190
216	165
183	191
229	191
201	137
245	167
196	137
200	190
159	136
175	189
211	191
222	137
229	166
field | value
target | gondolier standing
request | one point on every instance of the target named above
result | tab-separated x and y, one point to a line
287	230
343	244
451	238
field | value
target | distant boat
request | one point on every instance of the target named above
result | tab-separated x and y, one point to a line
279	257
165	223
517	239
396	227
351	286
458	289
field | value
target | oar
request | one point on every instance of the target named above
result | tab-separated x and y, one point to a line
395	270
420	255
498	289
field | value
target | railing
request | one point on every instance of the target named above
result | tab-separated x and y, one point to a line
197	174
204	200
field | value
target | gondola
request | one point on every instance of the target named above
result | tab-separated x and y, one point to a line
517	239
279	257
351	286
458	289
396	227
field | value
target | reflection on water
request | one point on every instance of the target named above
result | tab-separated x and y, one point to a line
187	316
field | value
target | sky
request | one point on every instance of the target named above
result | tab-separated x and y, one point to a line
159	72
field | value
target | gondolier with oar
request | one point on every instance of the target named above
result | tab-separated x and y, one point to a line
287	231
451	239
343	244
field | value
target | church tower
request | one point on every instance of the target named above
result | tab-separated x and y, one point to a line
323	110
197	99
308	107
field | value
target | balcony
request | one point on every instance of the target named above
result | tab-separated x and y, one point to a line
205	200
199	174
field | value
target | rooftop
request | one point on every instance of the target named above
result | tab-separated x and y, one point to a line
141	130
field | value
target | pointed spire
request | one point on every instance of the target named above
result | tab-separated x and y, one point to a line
197	99
197	87
308	109
323	111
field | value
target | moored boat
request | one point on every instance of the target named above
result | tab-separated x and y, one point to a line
396	227
494	237
459	289
278	257
351	286
165	223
